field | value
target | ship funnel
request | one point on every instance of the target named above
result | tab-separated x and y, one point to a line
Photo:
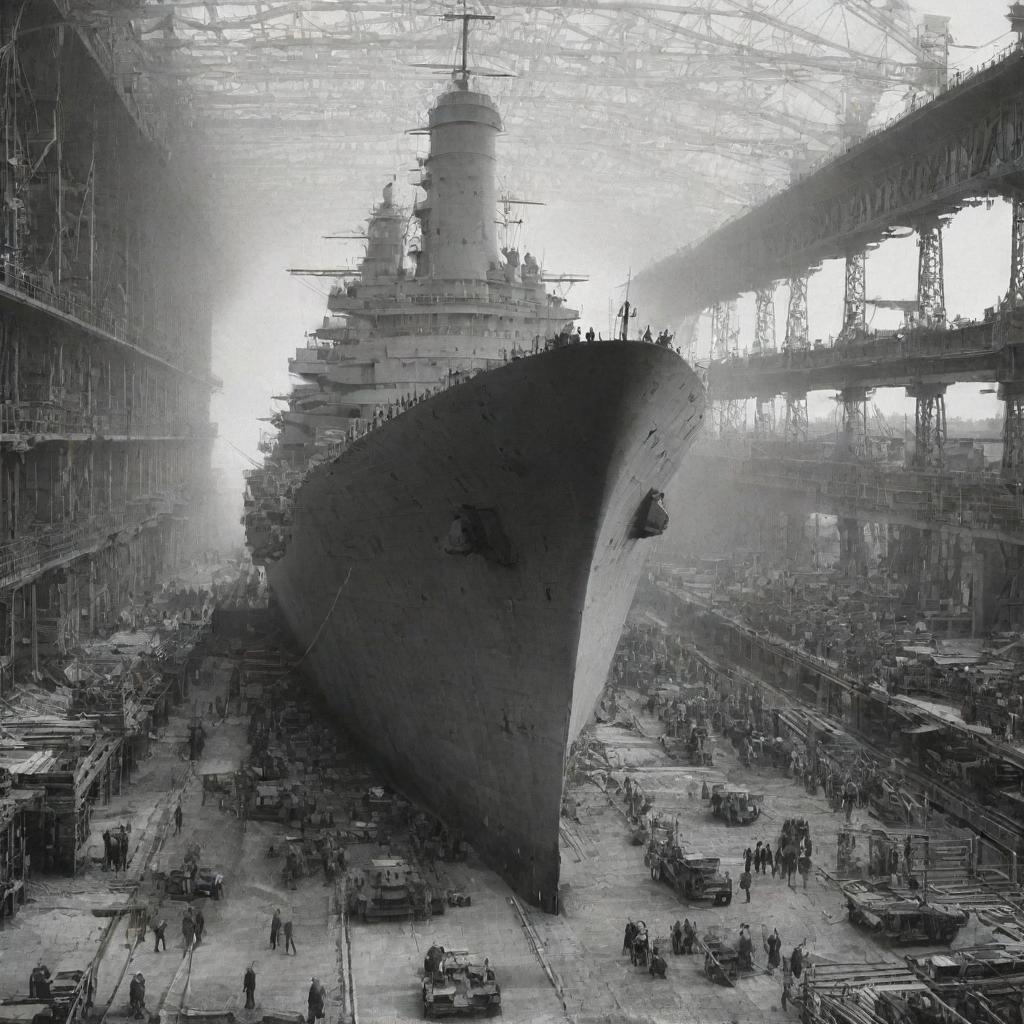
459	235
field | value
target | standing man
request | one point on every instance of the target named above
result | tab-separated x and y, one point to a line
745	884
137	994
159	933
315	1002
200	925
275	928
249	986
177	819
289	942
188	930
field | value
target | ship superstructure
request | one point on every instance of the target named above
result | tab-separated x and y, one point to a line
455	511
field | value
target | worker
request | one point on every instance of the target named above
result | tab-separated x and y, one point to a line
590	335
689	935
159	934
289	942
315	1001
641	945
628	937
249	986
200	925
745	884
275	928
745	949
432	961
39	983
677	938
796	960
177	819
137	994
658	965
188	929
773	946
768	859
805	868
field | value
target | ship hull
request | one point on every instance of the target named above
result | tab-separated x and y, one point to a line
467	675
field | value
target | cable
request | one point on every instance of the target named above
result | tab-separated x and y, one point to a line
330	611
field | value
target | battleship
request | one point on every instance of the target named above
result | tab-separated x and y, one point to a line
456	508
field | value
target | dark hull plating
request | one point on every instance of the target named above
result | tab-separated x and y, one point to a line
465	678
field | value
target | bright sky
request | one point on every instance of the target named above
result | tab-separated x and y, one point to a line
263	318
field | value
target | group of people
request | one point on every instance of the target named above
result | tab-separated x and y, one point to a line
637	944
115	849
316	1000
276	930
794	850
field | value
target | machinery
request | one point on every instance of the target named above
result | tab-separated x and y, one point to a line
901	920
458	984
721	959
692	876
734	805
392	888
209	882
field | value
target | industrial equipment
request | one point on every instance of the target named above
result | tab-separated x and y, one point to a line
460	984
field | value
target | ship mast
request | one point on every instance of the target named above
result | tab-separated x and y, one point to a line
465	17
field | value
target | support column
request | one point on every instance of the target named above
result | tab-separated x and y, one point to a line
854	300
764	320
1012	395
764	416
1016	293
929	425
764	341
931	288
797	339
728	417
854	427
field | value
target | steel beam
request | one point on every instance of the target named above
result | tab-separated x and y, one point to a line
929	425
728	417
931	285
854	423
854	299
964	144
1017	250
794	428
1012	395
764	322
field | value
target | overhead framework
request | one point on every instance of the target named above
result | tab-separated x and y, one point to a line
299	100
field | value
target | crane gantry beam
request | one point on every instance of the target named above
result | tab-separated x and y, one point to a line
735	91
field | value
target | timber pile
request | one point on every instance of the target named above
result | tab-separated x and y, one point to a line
43	732
835	979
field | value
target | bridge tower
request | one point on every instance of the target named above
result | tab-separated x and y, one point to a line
797	339
764	341
728	417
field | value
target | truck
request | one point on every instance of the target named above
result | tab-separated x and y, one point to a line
456	983
900	919
691	875
735	805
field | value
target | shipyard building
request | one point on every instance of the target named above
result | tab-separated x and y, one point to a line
667	671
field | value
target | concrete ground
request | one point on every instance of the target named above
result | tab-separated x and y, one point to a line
569	967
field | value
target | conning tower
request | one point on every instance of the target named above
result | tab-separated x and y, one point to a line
457	223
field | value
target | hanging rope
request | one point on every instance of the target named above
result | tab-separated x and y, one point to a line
330	611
